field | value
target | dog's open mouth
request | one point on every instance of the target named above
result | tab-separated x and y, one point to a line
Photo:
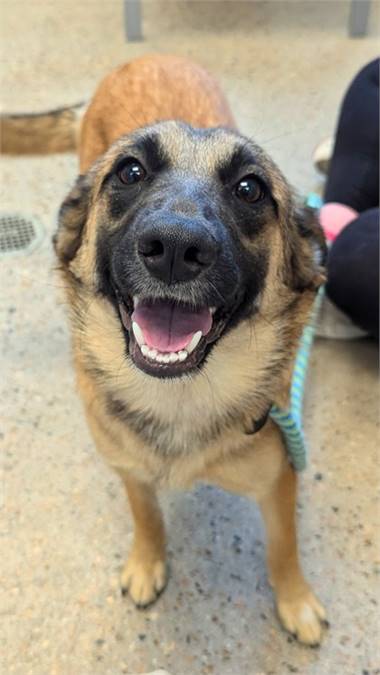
168	339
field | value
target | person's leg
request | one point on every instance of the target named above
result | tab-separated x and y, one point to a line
352	189
353	178
353	271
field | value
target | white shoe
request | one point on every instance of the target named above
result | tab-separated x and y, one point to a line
322	155
334	324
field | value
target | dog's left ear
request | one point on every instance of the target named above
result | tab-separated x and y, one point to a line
308	251
72	218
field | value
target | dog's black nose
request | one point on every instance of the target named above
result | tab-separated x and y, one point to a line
177	251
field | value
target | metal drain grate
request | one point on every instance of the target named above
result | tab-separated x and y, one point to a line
19	234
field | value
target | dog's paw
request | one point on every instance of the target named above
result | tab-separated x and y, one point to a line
143	581
304	617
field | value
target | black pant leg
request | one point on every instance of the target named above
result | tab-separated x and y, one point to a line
353	271
354	169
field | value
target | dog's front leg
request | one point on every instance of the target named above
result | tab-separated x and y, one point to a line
145	574
263	471
299	610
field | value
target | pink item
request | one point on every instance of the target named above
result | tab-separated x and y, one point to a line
334	217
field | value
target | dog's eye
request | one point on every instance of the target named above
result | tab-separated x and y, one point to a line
132	172
250	189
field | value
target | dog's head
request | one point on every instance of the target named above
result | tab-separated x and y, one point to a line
185	232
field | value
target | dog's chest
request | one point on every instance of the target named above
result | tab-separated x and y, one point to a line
175	420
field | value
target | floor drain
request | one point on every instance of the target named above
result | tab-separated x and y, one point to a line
19	234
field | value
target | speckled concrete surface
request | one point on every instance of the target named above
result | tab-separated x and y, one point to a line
66	528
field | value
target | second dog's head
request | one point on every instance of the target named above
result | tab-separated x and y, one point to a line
184	231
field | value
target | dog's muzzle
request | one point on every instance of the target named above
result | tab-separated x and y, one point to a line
182	301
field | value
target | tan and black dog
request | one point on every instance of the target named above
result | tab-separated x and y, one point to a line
190	273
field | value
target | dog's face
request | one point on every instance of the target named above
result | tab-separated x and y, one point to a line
182	231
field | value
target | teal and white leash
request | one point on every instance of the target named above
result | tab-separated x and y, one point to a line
290	421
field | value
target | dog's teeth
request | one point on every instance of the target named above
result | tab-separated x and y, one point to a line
136	301
194	341
212	310
138	333
161	357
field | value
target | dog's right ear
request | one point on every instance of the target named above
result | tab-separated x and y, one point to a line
72	218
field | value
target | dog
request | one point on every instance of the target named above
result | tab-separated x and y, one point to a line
190	272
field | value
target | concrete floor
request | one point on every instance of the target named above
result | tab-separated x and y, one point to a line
67	529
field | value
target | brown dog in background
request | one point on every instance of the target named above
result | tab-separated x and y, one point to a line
190	273
149	89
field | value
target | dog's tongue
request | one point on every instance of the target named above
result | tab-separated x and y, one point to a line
168	327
